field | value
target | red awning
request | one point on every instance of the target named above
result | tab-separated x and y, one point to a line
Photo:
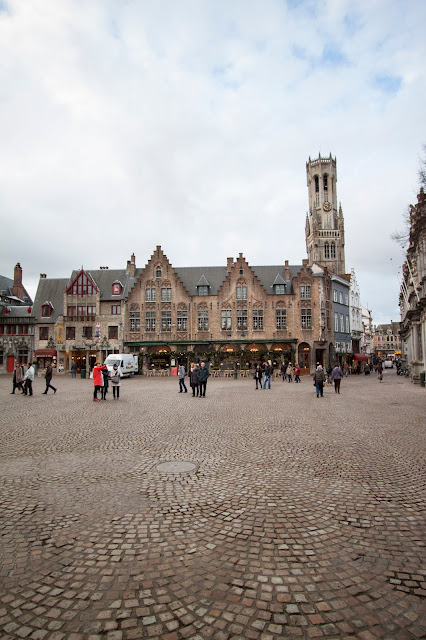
45	353
360	357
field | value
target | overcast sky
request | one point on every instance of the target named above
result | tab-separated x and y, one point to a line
127	124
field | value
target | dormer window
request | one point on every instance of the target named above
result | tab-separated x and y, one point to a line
203	286
116	289
46	311
279	289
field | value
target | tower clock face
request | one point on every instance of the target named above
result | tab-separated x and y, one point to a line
326	206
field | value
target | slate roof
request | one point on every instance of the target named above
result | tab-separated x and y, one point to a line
105	278
50	290
215	276
6	286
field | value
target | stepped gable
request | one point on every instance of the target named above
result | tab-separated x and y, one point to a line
159	255
231	265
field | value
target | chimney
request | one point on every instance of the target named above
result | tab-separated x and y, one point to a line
131	266
17	289
42	275
229	264
286	270
305	262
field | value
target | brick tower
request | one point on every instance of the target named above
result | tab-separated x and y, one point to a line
325	228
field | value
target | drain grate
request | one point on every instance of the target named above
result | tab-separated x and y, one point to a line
177	466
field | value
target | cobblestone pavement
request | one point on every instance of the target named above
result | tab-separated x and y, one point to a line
302	517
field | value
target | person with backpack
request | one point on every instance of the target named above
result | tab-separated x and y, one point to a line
319	380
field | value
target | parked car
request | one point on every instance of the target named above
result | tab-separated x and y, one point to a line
388	364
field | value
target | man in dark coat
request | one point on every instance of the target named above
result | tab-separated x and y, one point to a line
203	374
48	377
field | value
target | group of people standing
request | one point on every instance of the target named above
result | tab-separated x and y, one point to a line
288	371
101	379
197	379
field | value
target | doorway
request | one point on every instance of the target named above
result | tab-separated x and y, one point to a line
304	358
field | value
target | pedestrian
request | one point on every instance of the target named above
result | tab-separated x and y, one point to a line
203	374
48	377
18	376
181	374
329	372
193	378
115	381
105	380
380	371
73	370
296	372
346	367
267	375
258	376
319	380
28	380
97	381
283	370
336	376
290	372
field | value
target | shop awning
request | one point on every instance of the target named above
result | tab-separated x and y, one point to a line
45	353
360	357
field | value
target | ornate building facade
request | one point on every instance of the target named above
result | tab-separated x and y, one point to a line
17	325
233	315
325	228
413	293
81	319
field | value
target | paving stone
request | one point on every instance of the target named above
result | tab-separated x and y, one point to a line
270	516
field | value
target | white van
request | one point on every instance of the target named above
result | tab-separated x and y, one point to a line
127	363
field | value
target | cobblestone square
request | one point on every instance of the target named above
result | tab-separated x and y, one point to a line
278	515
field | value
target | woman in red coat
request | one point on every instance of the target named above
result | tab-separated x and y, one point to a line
97	380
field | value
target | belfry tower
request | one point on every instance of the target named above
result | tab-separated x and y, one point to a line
325	227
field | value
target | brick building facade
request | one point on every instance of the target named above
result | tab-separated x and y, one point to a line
231	316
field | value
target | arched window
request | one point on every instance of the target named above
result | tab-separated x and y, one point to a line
333	250
325	184
326	250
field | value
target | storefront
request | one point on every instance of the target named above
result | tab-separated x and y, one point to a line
44	357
